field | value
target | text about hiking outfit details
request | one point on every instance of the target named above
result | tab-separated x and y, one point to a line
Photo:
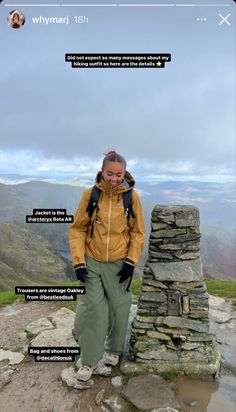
113	60
49	216
54	354
49	293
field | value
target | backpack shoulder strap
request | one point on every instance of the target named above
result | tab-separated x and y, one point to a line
127	200
93	201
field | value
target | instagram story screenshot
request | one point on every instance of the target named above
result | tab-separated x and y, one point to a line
117	205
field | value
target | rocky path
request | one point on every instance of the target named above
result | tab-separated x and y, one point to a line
29	386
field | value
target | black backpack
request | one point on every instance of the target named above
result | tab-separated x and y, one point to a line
94	198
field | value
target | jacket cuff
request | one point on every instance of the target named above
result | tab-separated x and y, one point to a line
130	262
79	266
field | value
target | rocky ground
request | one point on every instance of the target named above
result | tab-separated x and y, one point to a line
27	385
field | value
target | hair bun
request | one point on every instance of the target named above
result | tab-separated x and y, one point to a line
109	152
112	156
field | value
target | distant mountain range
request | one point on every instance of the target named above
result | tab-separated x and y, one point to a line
218	247
216	203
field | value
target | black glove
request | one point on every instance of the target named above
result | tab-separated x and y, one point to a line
81	274
126	272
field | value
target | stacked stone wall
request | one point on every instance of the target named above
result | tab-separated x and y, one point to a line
171	328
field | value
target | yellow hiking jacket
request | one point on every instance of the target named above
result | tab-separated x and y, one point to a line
115	237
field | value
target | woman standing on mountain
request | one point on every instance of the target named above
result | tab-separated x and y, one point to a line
106	242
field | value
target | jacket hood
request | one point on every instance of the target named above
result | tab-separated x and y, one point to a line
127	184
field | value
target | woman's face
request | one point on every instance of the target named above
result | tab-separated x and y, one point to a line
113	173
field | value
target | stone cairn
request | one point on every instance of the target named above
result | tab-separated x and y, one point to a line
170	332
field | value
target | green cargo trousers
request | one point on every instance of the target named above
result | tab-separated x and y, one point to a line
102	312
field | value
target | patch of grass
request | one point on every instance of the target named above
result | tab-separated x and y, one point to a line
222	288
6	298
136	286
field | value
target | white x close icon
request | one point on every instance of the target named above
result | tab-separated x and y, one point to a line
224	19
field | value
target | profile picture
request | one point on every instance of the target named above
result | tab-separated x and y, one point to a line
16	19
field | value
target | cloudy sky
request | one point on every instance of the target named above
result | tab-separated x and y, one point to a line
172	123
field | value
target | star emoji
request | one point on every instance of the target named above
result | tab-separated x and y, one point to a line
159	64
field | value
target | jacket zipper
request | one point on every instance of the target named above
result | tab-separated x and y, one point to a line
109	225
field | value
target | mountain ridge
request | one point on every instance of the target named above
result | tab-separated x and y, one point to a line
29	259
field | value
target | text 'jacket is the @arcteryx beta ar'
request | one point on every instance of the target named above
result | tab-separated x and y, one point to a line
114	236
